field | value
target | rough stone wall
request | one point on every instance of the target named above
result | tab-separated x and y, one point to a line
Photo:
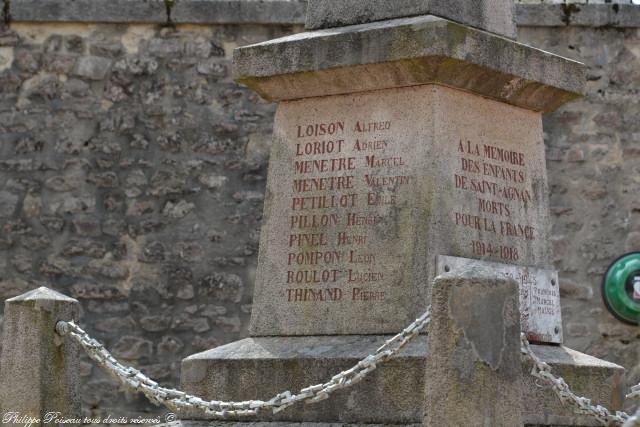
132	174
593	153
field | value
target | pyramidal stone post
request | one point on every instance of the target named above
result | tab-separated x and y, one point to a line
474	371
407	144
39	370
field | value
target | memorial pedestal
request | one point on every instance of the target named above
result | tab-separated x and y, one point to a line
259	368
395	143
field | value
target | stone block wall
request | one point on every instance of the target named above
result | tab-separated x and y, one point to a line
132	174
593	153
132	171
593	149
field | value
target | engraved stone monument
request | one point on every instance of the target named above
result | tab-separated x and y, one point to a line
407	143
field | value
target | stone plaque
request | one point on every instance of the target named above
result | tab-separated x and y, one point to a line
365	190
540	316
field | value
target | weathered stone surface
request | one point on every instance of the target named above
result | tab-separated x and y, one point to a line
8	203
496	16
154	11
38	368
92	67
573	290
601	381
540	313
132	348
474	370
406	52
88	11
294	363
241	12
178	210
612	14
357	256
292	12
110	192
259	368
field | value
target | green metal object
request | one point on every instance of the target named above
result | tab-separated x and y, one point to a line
621	288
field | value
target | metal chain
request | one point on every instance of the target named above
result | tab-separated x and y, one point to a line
635	392
581	405
177	400
634	420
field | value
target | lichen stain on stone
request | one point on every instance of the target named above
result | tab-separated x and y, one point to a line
256	84
194	372
134	35
6	58
134	251
481	321
168	6
455	35
424	70
56	364
34	33
6	11
425	189
513	87
568	9
465	358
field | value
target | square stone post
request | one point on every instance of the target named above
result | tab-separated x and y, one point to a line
39	368
474	370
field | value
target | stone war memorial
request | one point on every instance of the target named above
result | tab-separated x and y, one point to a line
407	180
407	146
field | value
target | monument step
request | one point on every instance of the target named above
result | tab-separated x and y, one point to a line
259	368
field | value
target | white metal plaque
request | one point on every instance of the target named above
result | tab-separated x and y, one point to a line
540	316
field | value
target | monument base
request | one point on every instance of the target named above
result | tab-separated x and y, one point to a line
259	368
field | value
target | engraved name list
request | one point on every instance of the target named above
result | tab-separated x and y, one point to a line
342	183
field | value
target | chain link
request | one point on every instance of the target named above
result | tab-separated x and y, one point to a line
177	401
634	420
581	405
635	392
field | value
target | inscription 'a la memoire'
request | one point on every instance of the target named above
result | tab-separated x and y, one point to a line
497	154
